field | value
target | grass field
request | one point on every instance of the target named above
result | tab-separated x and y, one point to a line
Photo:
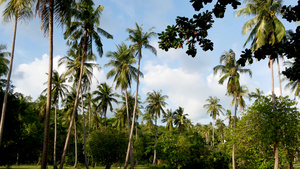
51	167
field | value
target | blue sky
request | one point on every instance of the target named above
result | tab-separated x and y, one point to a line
187	81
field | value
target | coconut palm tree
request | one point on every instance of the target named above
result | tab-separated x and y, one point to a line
230	70
169	117
229	117
60	11
84	30
123	72
213	109
258	94
59	89
243	92
16	10
148	117
180	119
266	29
139	40
220	124
156	102
106	97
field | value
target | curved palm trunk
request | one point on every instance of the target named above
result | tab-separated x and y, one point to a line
75	138
128	123
55	134
8	79
72	118
83	126
155	142
48	106
134	110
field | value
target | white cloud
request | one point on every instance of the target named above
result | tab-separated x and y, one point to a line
29	78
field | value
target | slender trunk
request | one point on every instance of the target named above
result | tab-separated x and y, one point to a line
55	134
155	142
134	110
48	106
279	76
73	117
83	126
128	123
105	109
276	163
8	79
75	138
213	126
235	110
89	120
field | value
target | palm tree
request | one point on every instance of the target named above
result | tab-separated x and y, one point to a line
3	64
213	109
230	70
180	119
169	117
106	97
205	129
16	10
243	91
139	40
84	30
258	94
156	102
123	72
120	115
266	29
148	117
229	117
220	124
58	91
60	11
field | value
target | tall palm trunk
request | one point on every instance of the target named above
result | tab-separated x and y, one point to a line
83	126
134	109
276	153
75	138
73	116
48	106
155	142
213	143
235	110
279	76
55	134
8	79
128	123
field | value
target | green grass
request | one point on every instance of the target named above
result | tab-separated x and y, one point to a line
68	167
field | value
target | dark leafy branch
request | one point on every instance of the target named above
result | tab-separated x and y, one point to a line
193	31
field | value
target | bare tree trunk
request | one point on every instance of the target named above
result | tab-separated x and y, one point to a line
8	79
83	126
55	134
155	142
48	106
134	111
75	138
